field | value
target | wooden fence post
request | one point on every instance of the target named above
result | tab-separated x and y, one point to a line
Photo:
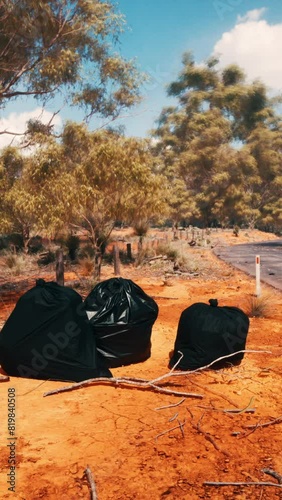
128	251
116	260
60	267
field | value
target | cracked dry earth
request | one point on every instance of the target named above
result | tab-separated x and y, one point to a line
144	445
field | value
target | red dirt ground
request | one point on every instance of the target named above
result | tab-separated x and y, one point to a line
143	445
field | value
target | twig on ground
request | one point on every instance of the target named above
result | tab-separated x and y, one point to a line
174	417
179	426
171	406
274	474
179	373
277	420
251	483
34	388
247	409
215	393
206	435
90	479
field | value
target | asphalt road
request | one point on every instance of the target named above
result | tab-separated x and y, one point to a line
244	257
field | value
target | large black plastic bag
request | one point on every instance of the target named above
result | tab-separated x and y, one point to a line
48	336
207	332
121	316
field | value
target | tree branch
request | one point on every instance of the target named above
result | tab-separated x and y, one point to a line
145	384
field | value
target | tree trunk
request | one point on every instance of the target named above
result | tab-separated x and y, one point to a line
26	238
97	265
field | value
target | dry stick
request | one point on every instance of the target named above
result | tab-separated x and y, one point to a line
215	393
174	417
121	381
181	427
275	421
247	409
172	429
207	436
90	478
274	474
251	483
171	406
148	383
173	373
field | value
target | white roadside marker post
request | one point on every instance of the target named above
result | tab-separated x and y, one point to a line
258	290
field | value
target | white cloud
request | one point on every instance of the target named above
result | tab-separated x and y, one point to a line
15	123
256	46
252	15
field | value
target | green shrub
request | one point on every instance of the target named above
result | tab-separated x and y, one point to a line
168	250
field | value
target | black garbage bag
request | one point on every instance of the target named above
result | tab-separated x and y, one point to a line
207	332
48	336
122	317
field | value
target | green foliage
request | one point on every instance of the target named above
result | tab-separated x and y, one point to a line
168	250
65	47
211	177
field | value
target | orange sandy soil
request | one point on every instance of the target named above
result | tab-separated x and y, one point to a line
140	444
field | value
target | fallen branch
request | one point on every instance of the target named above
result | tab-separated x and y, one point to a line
251	483
147	384
92	485
178	373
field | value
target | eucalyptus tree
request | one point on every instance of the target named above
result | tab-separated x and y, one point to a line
204	142
66	47
88	181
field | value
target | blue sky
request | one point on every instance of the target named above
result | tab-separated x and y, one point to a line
248	32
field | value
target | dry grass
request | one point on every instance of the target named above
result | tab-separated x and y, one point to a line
86	265
261	306
17	264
